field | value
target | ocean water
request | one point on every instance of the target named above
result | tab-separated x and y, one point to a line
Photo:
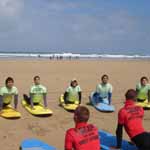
95	54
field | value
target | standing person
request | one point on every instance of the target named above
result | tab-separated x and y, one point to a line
143	90
130	117
104	91
37	93
8	93
73	93
84	136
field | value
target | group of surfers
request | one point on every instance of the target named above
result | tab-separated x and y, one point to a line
85	136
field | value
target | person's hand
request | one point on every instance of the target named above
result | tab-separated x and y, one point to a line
15	109
0	112
45	107
33	108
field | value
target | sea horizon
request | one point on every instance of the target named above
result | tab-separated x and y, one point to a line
71	55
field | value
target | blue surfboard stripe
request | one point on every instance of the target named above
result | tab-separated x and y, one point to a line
107	140
35	144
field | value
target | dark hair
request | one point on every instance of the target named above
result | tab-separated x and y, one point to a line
131	94
103	76
144	78
82	113
71	84
9	79
36	77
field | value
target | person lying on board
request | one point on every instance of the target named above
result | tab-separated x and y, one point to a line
8	93
37	94
73	94
143	90
130	117
104	91
83	136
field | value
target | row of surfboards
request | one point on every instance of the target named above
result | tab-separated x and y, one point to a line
107	140
101	106
39	110
9	113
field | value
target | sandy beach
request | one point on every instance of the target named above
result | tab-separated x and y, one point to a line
56	76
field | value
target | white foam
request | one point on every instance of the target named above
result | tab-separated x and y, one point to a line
71	55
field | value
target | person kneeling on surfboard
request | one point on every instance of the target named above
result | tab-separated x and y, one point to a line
131	117
73	93
84	136
143	90
8	93
103	92
37	93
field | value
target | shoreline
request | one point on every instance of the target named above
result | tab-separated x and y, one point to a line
72	60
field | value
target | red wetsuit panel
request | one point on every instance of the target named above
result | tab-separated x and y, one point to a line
131	117
82	137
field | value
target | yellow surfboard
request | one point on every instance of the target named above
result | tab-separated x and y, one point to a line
70	107
144	104
38	110
9	113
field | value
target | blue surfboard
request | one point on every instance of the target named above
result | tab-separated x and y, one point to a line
35	144
101	106
107	140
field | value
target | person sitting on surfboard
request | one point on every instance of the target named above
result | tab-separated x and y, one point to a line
131	117
73	93
104	91
8	93
143	90
83	136
37	93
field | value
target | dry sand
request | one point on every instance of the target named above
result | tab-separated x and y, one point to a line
56	75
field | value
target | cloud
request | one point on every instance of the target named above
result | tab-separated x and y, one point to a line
10	7
74	25
10	11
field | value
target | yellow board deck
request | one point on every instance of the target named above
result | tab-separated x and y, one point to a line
144	104
9	112
38	110
69	107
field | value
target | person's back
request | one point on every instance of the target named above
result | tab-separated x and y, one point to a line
131	116
84	136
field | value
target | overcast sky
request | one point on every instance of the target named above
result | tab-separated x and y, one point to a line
75	25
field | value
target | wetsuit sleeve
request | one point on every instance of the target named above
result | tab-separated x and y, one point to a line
120	128
45	99
109	97
31	100
111	89
97	89
15	101
65	96
80	97
149	95
1	102
119	132
137	90
68	142
121	117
